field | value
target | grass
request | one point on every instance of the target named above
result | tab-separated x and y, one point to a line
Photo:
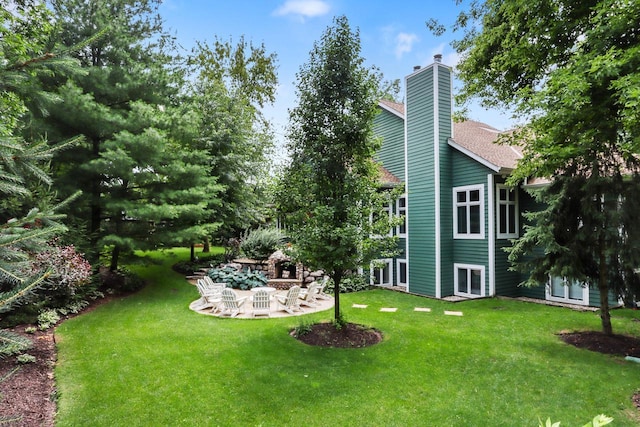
147	360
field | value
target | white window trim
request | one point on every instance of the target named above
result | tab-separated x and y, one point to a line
469	267
389	264
398	262
566	300
468	189
386	208
507	203
398	208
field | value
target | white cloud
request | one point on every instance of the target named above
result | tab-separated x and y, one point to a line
303	8
404	43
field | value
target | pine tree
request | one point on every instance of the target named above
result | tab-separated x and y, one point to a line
23	163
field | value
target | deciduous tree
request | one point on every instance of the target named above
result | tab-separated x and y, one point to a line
570	69
330	188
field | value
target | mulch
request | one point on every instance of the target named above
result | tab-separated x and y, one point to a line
28	395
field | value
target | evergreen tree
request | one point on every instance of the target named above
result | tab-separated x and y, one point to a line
144	186
570	68
23	163
331	186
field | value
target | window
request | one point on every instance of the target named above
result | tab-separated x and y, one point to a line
468	212
375	216
469	280
561	290
381	272
507	211
401	210
401	268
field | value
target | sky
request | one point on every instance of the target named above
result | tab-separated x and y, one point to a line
393	35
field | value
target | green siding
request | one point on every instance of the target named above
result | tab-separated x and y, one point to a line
507	282
419	114
466	171
390	128
447	248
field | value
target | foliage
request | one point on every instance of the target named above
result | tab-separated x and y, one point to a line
189	267
143	184
331	185
122	280
47	319
350	283
598	421
23	359
571	70
27	217
236	279
303	328
260	243
69	273
230	84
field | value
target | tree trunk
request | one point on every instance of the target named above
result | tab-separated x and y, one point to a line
337	278
605	316
206	247
95	203
193	252
115	254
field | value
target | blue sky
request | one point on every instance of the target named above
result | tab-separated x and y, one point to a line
393	36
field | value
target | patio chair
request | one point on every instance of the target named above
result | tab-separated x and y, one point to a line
231	304
210	295
309	295
322	284
289	302
261	303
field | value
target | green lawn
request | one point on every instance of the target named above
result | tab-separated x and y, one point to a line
147	360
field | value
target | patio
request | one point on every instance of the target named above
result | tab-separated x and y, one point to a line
247	312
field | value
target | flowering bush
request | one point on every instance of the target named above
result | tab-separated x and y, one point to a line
68	267
69	272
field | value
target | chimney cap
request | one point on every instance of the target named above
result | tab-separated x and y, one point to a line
416	67
437	57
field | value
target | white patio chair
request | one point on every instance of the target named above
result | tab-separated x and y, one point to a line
289	302
261	303
210	295
309	295
322	284
231	304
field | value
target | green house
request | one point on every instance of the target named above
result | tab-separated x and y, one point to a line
459	214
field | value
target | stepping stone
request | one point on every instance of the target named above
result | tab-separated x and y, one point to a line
453	313
359	306
389	309
425	309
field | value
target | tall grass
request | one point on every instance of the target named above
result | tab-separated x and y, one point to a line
147	360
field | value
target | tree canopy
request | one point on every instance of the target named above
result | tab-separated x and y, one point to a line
570	70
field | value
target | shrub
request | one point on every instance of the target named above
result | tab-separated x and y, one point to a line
47	319
238	279
302	329
189	267
70	275
348	284
23	359
122	280
261	243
